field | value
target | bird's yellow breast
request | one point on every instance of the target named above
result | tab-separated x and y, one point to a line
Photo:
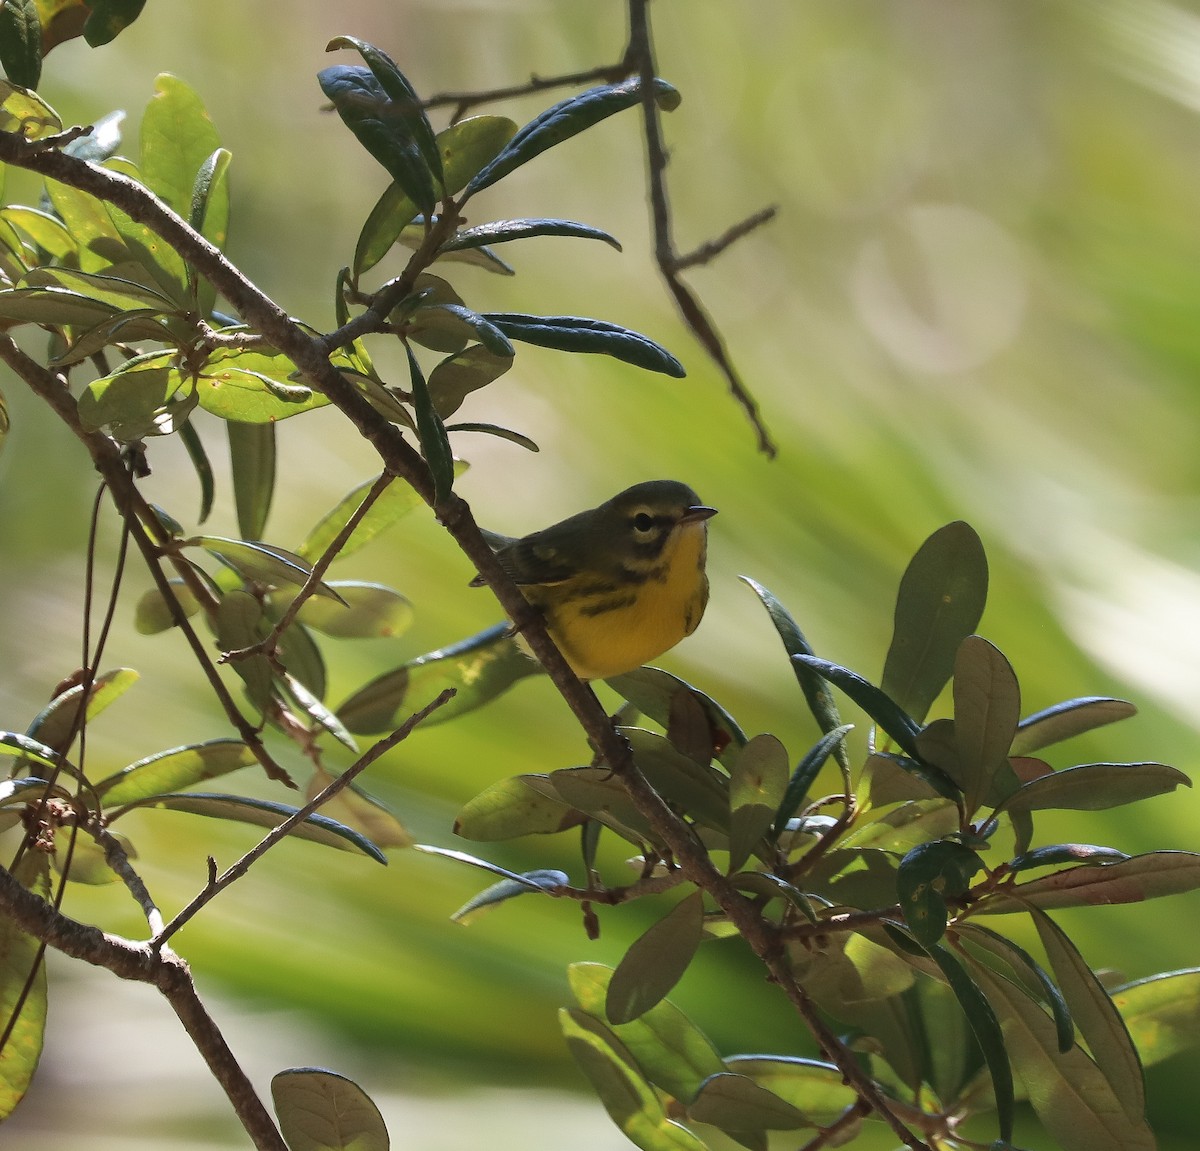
608	626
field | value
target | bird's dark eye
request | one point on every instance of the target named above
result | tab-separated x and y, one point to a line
643	523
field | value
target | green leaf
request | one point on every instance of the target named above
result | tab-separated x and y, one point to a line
504	231
940	602
46	231
465	148
26	113
367	611
582	335
929	875
479	669
1149	876
29	789
1066	853
1095	787
566	119
356	808
510	808
448	326
240	624
735	1102
26	748
1162	1013
395	501
982	1016
883	710
757	782
170	770
57	722
199	461
150	251
431	433
100	244
818	1090
144	396
457	376
407	103
697	789
253	386
1064	720
597	793
177	139
816	693
1097	1018
252	459
21	42
52	308
389	131
21	955
665	1045
652	691
108	18
209	215
1069	1093
656	961
987	706
153	615
260	562
517	438
320	1110
626	1095
265	813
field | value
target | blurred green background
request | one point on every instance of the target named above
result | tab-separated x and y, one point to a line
977	301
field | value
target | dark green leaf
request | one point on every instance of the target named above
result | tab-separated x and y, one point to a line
940	602
21	42
883	710
816	692
497	431
1067	719
502	231
240	624
656	961
252	458
266	813
388	130
987	706
567	119
1148	876
758	780
698	789
805	773
320	1110
457	376
168	771
597	793
204	473
1096	787
209	216
1066	853
107	18
582	335
431	432
441	325
407	103
929	875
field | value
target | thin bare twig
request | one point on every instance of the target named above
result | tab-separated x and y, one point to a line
711	249
218	884
463	102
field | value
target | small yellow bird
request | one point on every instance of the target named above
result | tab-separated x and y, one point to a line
619	584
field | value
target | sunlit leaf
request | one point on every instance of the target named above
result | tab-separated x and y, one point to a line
940	601
818	1090
261	563
655	961
319	1110
176	138
58	721
735	1102
20	957
25	113
170	770
510	808
354	807
1162	1013
1064	720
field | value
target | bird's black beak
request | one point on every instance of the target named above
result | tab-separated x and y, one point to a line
697	513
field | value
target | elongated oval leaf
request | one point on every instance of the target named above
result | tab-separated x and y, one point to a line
431	432
504	231
1066	853
566	119
883	710
580	334
656	961
511	808
1067	719
1096	787
260	562
818	1090
58	720
524	884
320	1110
170	770
266	813
940	602
735	1102
177	137
21	957
806	772
670	1050
757	782
1162	1013
987	706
